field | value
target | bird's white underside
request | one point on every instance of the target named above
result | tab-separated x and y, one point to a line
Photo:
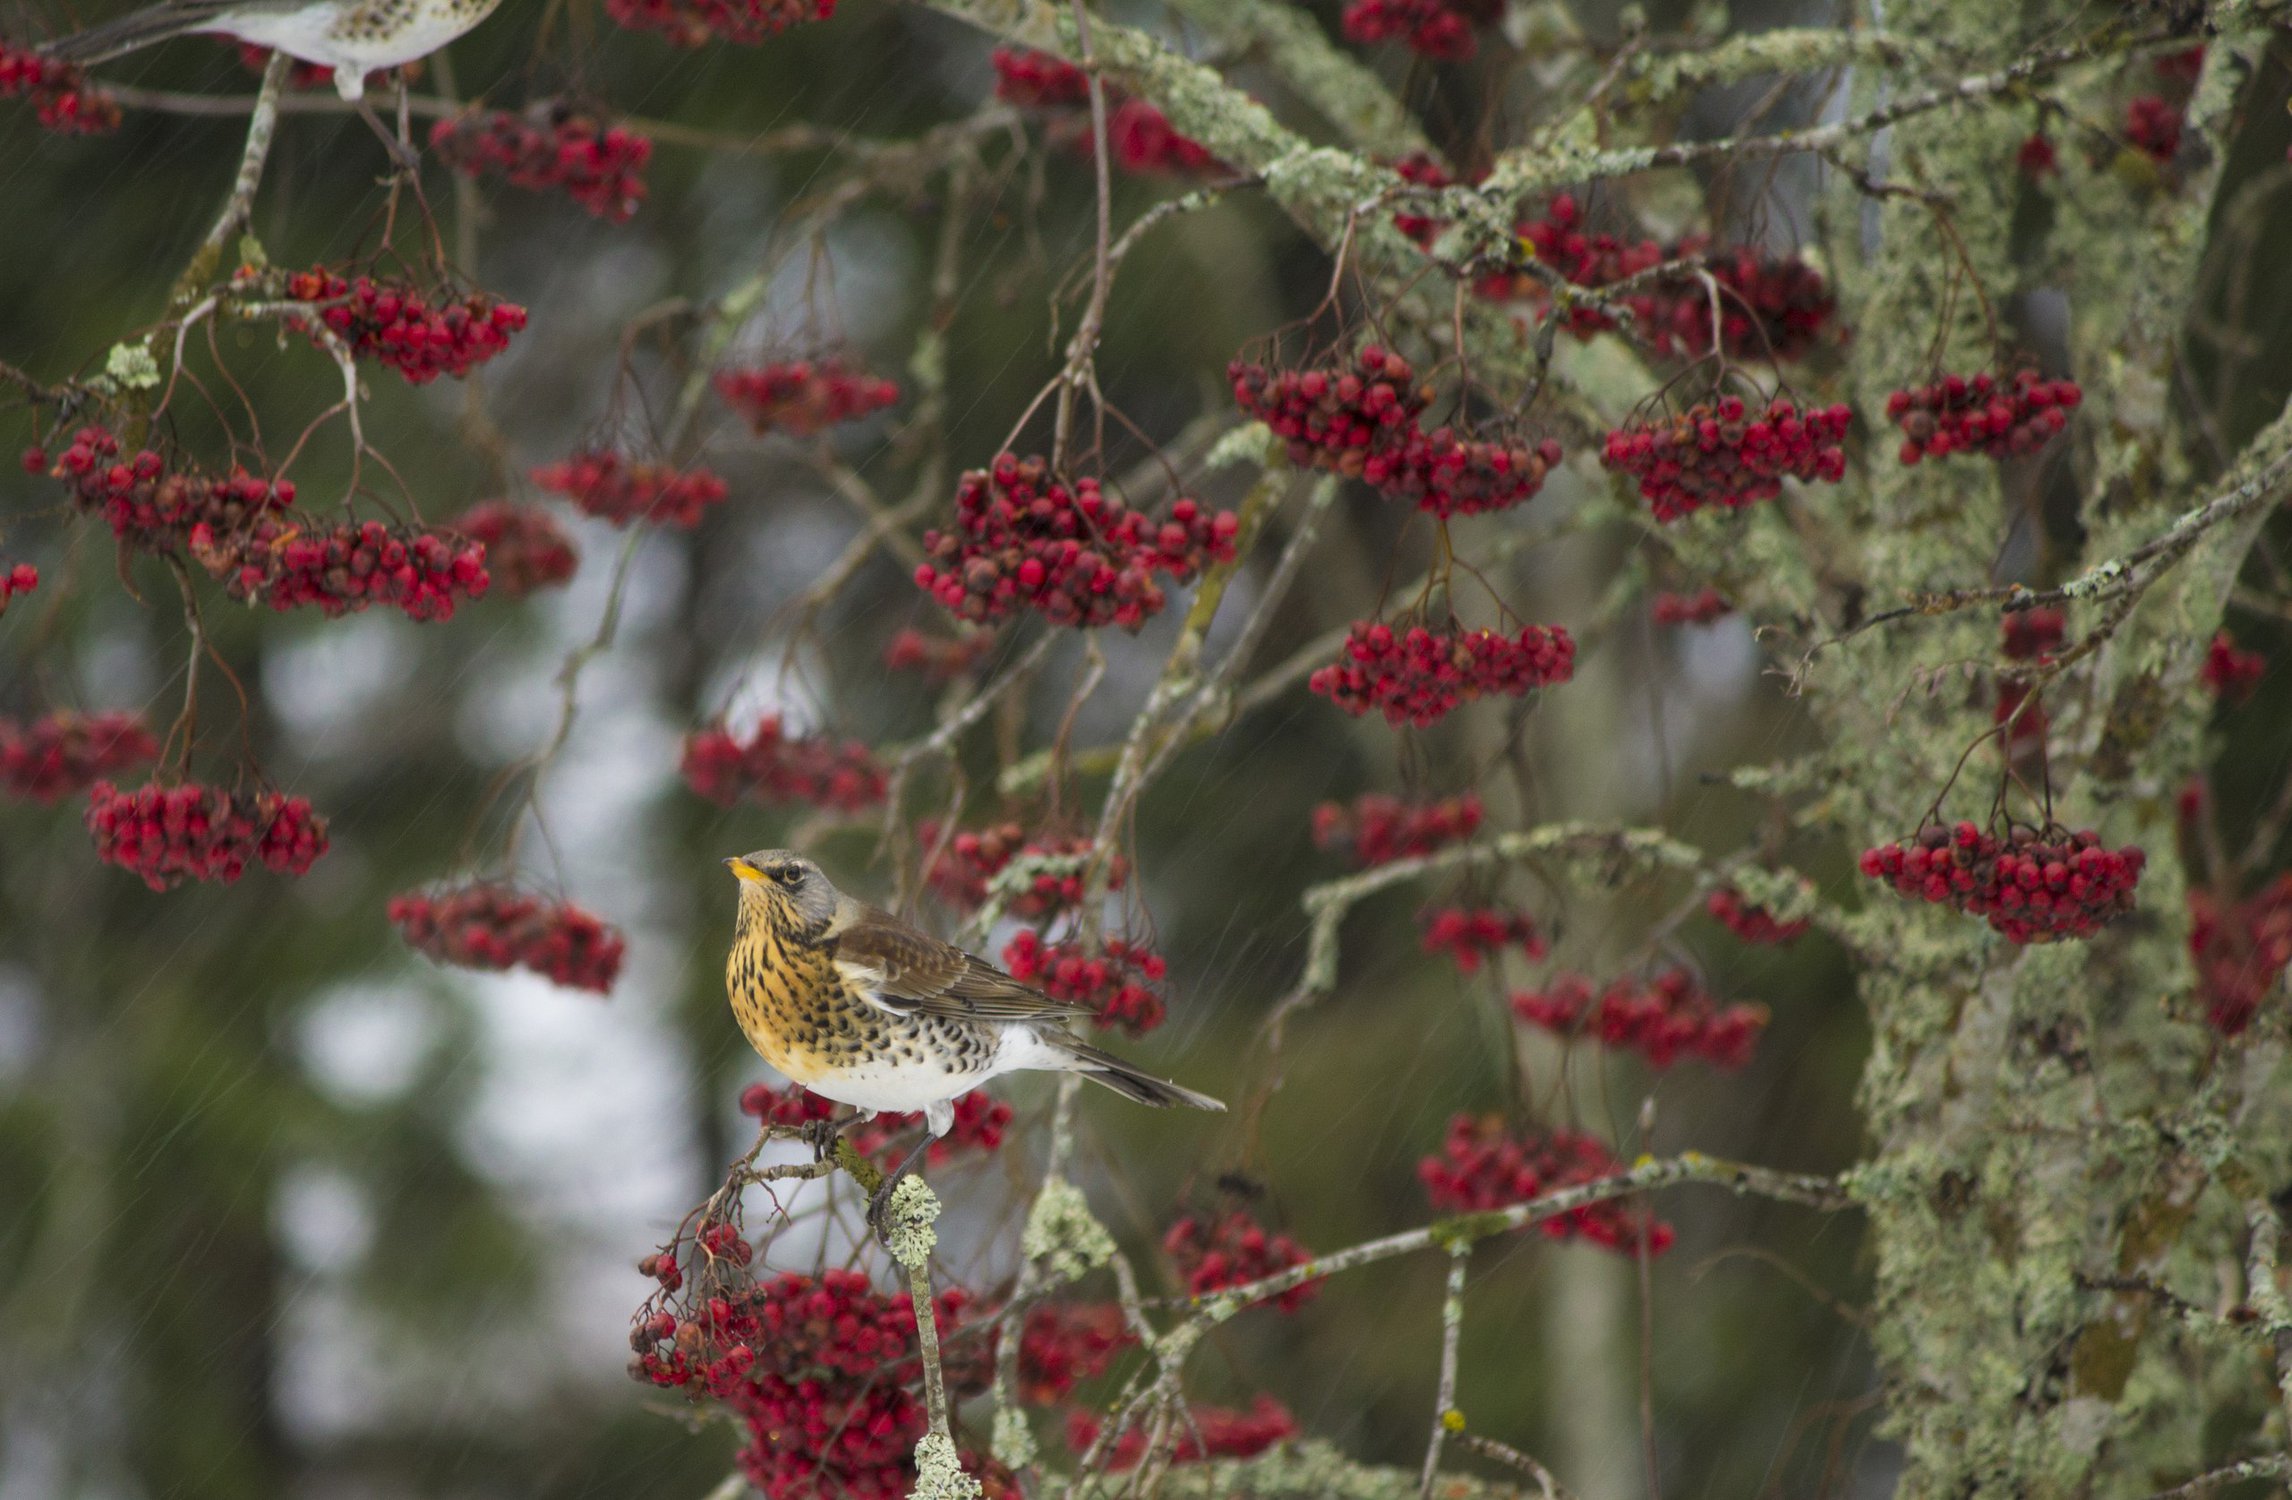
309	35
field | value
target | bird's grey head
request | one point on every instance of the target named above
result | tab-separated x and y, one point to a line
784	884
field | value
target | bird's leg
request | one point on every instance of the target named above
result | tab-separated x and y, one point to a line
821	1134
879	1201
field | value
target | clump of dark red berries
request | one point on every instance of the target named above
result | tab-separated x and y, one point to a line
1024	538
1377	829
525	548
1140	137
1417	676
802	397
2240	950
551	146
62	99
696	23
1559	240
300	75
1699	608
1037	80
1439	29
1753	924
1336	418
343	569
973	858
1424	170
2034	634
16	580
613	488
981	1121
168	834
1663	1019
1471	936
1981	414
1113	981
774	767
487	925
1446	474
391	321
1771	307
65	752
1143	140
1208	1432
1062	1343
2032	887
939	658
1235	1250
2153	127
2230	673
1717	453
1484	1166
2036	157
148	507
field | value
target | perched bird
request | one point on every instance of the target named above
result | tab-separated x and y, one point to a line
353	37
860	1007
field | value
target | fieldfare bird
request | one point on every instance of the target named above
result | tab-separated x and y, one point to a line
353	37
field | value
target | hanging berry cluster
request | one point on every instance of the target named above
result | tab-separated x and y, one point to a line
1235	1250
1419	676
2232	674
486	925
2031	887
696	23
551	146
170	834
1063	1343
2033	634
1663	1019
1113	981
1753	924
148	507
2153	127
2240	950
1594	261
1981	414
614	489
1025	539
1699	608
1140	137
1473	935
1037	80
390	321
1483	1166
61	99
1209	1432
1715	453
938	658
802	397
1378	829
343	569
63	752
525	549
981	1121
1423	169
17	579
1439	29
776	768
974	857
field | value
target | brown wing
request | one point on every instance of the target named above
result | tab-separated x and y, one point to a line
907	970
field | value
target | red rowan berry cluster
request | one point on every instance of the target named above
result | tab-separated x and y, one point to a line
2031	888
974	857
1143	140
1210	1432
1378	829
344	569
1472	936
485	925
1717	454
61	97
614	489
300	74
2036	157
1066	1342
1422	169
1438	29
1981	414
21	578
792	1106
525	548
2034	634
1037	80
937	658
64	752
1234	1251
1668	1017
2153	127
1023	537
1699	608
552	145
150	508
168	834
1558	239
1753	924
696	23
802	397
1139	135
2230	673
1771	307
1418	676
1113	982
1483	1166
2240	951
774	767
2183	67
981	1121
390	321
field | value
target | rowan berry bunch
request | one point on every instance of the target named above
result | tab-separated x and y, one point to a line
64	752
391	321
1144	141
1425	170
1139	136
802	397
1753	924
1446	474
487	925
1699	608
974	857
1559	240
1981	414
20	578
62	99
525	549
2036	158
1418	676
1439	29
1209	1432
1337	418
773	767
2034	634
1716	453
792	1106
1483	1166
2153	127
2032	887
1770	307
696	23
1234	1250
938	658
1473	935
981	1121
344	569
1113	981
1024	538
1037	80
168	834
2240	950
1663	1019
1063	1343
154	510
551	146
2232	674
1378	829
612	488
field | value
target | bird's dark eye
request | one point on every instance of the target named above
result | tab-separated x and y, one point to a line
786	875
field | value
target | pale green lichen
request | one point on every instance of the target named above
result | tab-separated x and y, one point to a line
1251	443
939	1471
131	367
1013	1442
913	1211
1062	1235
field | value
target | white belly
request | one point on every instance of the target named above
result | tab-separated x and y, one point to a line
318	34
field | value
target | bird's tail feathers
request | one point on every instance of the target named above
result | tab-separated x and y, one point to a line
138	29
1106	1068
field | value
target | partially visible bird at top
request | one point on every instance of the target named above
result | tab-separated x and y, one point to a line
353	37
862	1008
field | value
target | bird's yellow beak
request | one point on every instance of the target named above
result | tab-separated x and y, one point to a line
744	869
